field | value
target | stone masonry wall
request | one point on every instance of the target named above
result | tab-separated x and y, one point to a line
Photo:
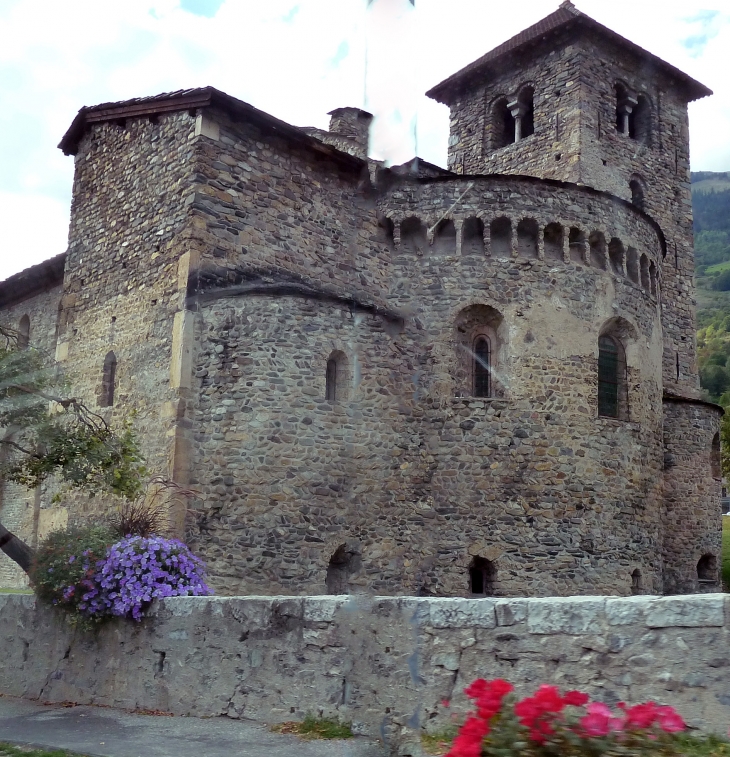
266	206
121	287
30	514
386	664
692	518
408	473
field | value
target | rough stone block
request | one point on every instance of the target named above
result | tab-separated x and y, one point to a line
624	611
511	611
573	615
322	609
690	611
462	613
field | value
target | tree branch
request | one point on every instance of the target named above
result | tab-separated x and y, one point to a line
16	549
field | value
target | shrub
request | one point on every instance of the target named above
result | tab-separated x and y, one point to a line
549	723
63	572
140	569
140	518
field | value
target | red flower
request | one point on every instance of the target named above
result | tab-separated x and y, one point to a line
641	716
600	721
670	720
488	695
575	698
468	742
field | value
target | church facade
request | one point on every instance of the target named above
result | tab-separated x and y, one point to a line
471	381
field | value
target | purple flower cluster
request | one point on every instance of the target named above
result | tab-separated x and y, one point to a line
139	569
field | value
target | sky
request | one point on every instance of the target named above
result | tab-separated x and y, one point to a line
296	59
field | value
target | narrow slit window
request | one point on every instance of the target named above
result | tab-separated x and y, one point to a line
24	333
482	577
482	367
636	582
108	380
331	390
608	377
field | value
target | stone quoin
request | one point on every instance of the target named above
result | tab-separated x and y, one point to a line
457	382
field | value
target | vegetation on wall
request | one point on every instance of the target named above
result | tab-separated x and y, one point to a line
711	206
45	431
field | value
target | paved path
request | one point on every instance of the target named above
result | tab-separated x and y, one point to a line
104	732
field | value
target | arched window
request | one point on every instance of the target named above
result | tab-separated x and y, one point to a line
337	377
503	124
108	379
444	238
616	256
577	242
500	237
637	194
612	400
632	264
24	333
385	230
707	569
344	563
413	237
482	367
645	282
553	241
597	244
636	582
716	457
640	121
524	114
479	340
623	108
482	577
527	238
472	237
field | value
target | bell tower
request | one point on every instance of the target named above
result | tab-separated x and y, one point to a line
570	100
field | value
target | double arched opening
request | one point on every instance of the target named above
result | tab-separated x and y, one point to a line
513	120
633	114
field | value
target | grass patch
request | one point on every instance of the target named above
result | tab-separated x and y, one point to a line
315	728
688	745
702	746
16	591
438	743
726	552
718	267
10	750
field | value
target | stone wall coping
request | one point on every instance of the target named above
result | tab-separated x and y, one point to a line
542	615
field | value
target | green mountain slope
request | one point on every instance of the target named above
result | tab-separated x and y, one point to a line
711	205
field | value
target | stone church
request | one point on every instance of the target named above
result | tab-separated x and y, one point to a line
471	381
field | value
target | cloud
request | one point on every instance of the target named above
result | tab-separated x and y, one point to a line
207	8
296	60
342	52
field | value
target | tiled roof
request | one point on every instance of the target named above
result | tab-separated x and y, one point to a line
565	16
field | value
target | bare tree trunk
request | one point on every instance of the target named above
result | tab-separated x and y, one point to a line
16	549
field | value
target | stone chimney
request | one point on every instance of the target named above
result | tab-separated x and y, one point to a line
354	124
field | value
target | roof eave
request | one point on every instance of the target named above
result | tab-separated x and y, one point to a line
444	91
192	100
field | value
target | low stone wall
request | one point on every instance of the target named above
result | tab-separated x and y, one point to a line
386	664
